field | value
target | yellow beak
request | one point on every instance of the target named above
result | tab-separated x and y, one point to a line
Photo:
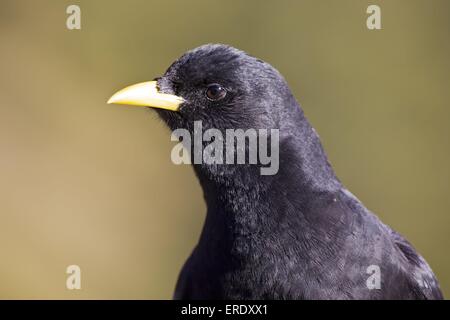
146	94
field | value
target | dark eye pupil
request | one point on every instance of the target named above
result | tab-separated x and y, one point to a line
215	92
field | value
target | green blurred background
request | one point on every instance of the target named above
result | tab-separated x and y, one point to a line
92	184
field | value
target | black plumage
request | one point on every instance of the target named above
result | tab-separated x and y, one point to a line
298	234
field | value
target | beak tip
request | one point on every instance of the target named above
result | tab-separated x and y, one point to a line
112	99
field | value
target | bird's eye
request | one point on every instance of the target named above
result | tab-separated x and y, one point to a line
215	92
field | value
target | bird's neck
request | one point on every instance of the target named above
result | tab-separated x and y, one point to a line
246	204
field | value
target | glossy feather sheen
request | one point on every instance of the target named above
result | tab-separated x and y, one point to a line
299	234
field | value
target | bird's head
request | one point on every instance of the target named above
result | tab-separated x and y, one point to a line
226	89
222	86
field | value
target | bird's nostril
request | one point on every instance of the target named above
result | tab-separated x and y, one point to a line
164	85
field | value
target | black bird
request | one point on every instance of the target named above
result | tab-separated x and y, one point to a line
297	234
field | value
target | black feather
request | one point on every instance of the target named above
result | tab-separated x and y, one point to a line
298	234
